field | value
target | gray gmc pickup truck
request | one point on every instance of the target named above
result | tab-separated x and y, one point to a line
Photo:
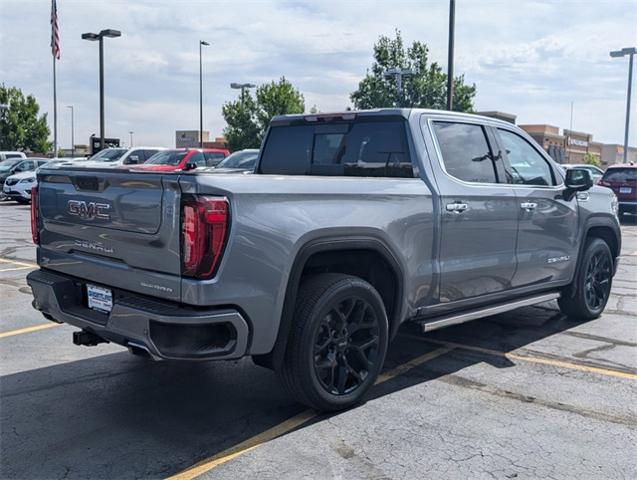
352	224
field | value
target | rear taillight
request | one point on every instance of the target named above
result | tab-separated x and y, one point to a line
204	227
604	183
35	234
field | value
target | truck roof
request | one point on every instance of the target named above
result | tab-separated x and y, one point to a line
401	112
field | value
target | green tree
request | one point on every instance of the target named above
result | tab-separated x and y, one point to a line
21	126
248	117
591	159
241	130
426	88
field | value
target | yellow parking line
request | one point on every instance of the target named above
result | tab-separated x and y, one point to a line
288	425
18	262
531	358
16	268
35	328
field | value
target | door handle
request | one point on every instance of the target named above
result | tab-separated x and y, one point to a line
456	207
528	206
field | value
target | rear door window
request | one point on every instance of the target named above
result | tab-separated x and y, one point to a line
368	148
465	152
198	159
213	158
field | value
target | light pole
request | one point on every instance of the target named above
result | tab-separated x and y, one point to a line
243	87
398	74
631	53
92	37
452	33
131	138
72	131
201	43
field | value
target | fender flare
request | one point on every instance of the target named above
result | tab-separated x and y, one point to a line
604	221
275	358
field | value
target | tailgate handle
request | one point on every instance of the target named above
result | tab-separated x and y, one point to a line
87	183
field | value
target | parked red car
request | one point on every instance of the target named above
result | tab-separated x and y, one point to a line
622	179
176	159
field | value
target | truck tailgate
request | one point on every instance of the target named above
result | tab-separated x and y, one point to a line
112	227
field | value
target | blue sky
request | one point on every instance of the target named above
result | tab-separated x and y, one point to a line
531	58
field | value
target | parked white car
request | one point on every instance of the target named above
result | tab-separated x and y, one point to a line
13	166
116	157
6	155
18	187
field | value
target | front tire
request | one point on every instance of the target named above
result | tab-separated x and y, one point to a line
591	284
338	342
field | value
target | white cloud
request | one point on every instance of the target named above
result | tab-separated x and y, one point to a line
527	57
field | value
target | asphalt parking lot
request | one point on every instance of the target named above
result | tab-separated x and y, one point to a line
527	394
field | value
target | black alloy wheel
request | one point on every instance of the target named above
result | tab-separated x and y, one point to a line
338	341
346	346
597	281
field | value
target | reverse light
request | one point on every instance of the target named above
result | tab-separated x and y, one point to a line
35	234
204	227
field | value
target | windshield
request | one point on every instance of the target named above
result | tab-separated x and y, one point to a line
108	155
245	160
5	165
167	157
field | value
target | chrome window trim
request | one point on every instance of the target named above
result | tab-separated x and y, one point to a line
430	119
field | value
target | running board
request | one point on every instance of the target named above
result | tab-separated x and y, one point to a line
454	319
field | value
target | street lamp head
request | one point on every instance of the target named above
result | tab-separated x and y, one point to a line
203	42
90	36
623	52
239	86
110	33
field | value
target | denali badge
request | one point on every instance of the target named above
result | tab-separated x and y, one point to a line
563	258
97	246
88	210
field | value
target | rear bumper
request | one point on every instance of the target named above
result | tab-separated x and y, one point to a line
167	330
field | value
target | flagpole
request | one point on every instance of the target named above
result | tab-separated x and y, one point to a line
55	113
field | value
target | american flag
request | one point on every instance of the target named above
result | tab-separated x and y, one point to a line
55	31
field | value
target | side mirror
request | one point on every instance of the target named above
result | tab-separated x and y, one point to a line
190	166
578	179
133	159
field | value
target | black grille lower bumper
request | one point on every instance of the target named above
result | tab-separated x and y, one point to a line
167	330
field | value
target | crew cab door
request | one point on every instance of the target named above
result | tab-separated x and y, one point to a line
548	222
479	212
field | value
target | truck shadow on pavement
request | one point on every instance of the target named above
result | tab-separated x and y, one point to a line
119	416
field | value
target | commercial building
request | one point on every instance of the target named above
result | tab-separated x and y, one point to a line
613	153
569	146
190	138
79	151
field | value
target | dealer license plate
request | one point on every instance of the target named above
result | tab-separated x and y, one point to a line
99	298
625	189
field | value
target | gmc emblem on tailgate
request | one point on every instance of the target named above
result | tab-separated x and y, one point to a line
88	210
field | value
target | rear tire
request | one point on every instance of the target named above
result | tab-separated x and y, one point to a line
22	201
338	342
591	284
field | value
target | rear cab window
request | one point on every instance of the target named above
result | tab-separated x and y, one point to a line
367	147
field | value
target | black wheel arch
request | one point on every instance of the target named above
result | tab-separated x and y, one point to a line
334	244
598	226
